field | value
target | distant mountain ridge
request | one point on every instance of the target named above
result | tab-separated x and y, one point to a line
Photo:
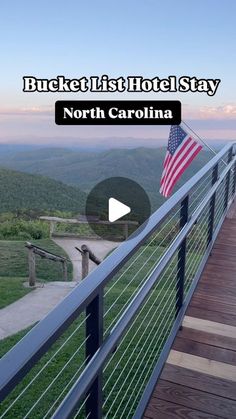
26	191
85	169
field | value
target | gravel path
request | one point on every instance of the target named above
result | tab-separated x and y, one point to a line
99	247
32	307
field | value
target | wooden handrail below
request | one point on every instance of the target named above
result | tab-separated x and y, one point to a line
36	250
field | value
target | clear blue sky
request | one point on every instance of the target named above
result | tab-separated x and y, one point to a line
132	37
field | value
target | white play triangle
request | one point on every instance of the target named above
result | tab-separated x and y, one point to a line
117	210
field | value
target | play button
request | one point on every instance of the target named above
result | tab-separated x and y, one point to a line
116	208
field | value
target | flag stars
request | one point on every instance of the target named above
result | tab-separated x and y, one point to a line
177	135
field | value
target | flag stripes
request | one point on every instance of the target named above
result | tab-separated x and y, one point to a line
181	151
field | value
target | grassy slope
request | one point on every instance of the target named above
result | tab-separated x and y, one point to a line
11	289
14	268
8	343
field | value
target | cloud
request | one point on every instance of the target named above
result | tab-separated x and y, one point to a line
27	111
37	125
223	112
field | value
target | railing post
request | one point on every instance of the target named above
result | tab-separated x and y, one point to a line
212	206
181	256
94	335
234	181
230	155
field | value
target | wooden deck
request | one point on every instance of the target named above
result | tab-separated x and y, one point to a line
199	377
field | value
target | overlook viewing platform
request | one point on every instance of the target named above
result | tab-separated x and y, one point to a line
199	376
151	332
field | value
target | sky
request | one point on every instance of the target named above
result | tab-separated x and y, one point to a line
120	38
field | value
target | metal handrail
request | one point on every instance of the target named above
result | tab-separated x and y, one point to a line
91	371
20	359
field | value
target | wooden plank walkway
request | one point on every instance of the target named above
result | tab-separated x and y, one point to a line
199	377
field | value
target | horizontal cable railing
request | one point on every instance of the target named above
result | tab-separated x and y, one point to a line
100	351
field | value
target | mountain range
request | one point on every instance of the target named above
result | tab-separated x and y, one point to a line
84	170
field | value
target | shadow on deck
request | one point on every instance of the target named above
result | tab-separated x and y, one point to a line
199	377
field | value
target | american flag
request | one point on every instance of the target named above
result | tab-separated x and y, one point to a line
181	151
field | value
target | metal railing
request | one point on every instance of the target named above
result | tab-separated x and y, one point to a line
100	352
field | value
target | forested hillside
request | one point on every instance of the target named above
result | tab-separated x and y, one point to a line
85	169
25	191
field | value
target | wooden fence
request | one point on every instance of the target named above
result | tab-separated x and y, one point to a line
36	250
54	220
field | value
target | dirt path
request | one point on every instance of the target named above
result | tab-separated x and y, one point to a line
99	247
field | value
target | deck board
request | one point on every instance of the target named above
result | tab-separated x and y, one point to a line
203	365
208	338
199	377
222	307
163	409
204	313
210	327
195	399
205	350
199	381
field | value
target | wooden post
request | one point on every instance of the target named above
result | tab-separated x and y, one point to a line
92	256
52	227
64	267
126	231
32	274
36	250
87	255
85	263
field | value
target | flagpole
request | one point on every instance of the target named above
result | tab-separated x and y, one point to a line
211	149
